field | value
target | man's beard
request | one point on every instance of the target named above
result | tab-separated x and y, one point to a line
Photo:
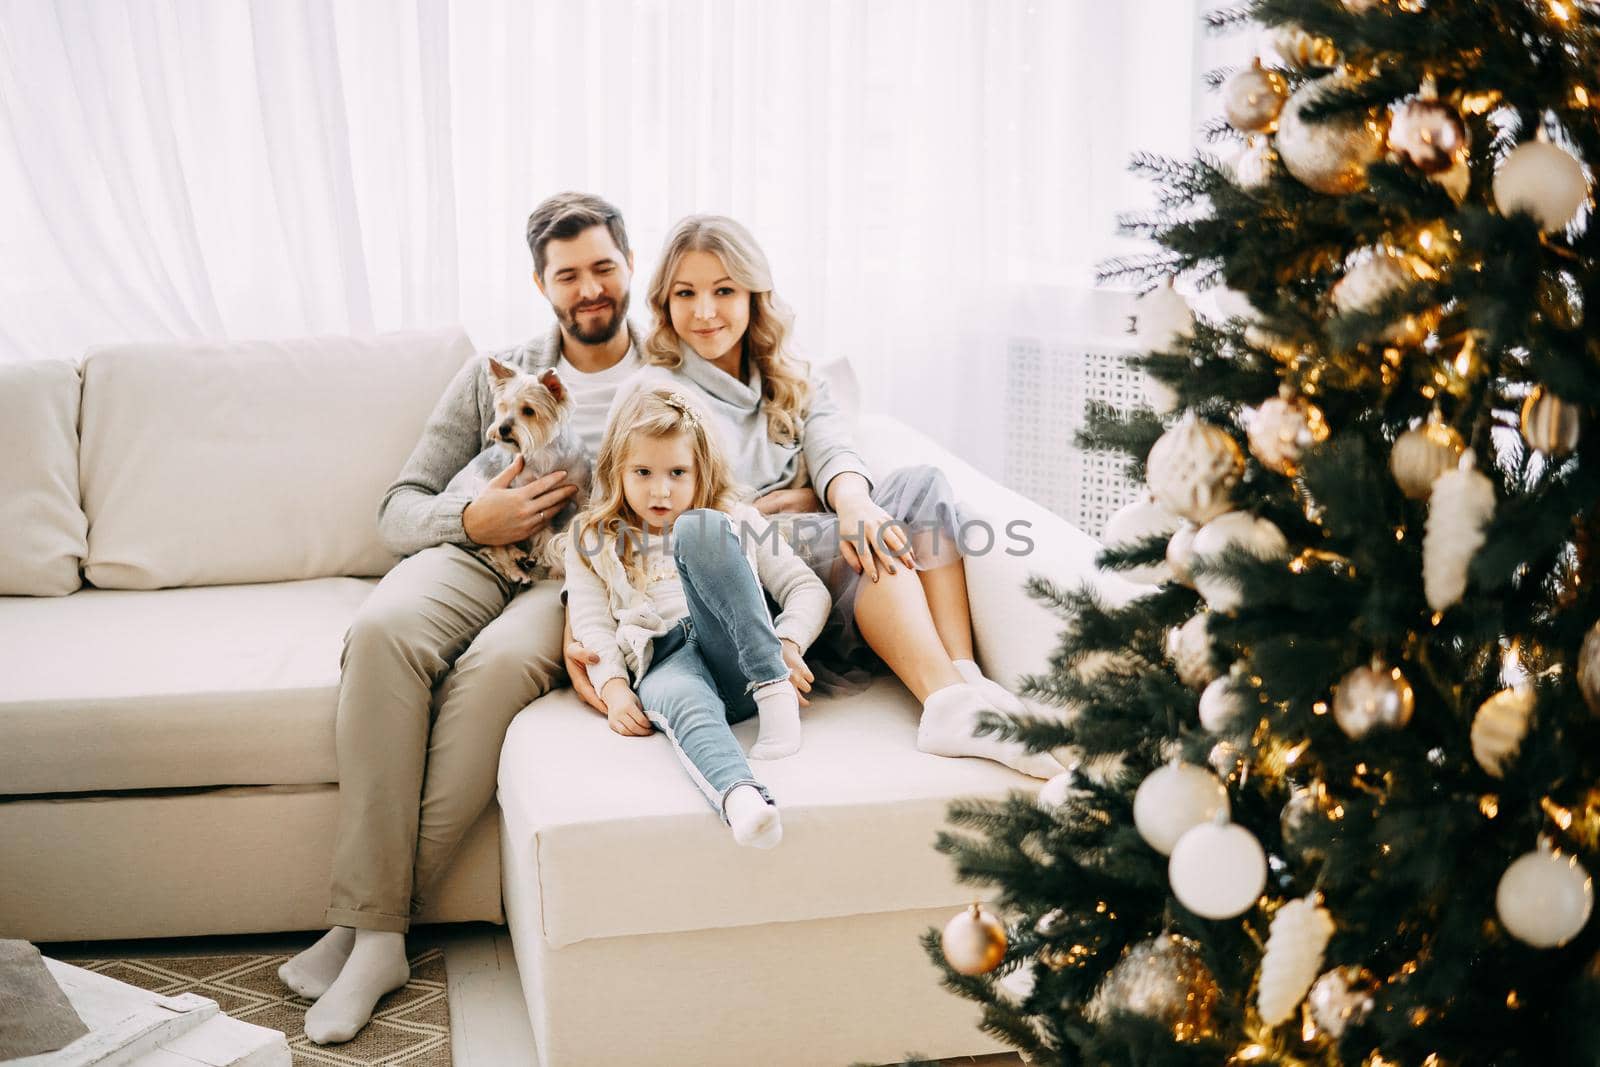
600	332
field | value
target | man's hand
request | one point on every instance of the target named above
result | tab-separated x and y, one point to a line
502	515
789	501
623	710
799	673
579	659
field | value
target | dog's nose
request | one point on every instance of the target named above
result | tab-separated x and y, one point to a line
505	430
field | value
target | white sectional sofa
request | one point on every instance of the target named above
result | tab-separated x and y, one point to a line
185	533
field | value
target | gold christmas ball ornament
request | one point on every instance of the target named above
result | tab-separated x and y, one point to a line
1375	275
1375	697
974	941
1281	430
1256	164
1342	998
1253	97
1297	49
1428	134
1193	468
1560	301
1549	423
1499	727
1589	669
1330	155
1164	979
1455	180
1543	180
1545	898
1423	453
1301	812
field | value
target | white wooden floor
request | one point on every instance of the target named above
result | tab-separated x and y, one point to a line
488	1018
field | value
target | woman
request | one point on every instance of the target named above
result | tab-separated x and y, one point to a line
720	328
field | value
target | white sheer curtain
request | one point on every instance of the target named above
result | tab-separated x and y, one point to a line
182	168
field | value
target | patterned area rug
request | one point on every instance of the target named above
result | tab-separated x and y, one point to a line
410	1029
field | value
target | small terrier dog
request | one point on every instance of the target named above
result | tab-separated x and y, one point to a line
533	419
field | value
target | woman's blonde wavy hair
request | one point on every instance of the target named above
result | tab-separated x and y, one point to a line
608	522
785	381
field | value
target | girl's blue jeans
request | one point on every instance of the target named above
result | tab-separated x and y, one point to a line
703	671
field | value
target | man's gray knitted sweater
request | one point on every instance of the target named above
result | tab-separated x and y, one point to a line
417	512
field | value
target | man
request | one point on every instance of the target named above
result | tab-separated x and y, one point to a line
444	652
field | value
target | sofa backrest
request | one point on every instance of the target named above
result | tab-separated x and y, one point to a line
218	462
42	528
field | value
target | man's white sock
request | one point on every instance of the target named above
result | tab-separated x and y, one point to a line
311	972
779	707
377	965
754	822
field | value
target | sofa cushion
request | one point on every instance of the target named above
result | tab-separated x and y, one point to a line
42	528
625	844
225	685
215	462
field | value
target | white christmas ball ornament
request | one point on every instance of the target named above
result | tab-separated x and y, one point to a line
1217	870
1220	704
1189	648
1192	469
1180	553
1236	529
1174	800
1058	790
1162	319
1543	180
1545	898
1140	521
1299	934
1256	164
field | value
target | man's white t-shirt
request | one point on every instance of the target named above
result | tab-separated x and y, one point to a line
592	395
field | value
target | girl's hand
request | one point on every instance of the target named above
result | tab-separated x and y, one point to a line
781	501
623	710
799	673
885	540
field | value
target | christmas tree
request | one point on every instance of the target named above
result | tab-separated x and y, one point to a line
1337	790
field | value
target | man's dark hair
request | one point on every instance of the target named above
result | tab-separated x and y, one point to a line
564	216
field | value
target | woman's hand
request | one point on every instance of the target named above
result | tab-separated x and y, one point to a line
799	673
579	658
869	537
623	710
789	501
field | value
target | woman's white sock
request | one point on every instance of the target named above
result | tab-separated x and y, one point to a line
1004	699
779	707
949	717
754	822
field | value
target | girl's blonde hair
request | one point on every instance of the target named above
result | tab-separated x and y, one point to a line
658	411
785	385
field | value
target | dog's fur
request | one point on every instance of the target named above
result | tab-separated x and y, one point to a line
533	418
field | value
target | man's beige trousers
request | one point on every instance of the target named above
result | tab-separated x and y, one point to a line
438	661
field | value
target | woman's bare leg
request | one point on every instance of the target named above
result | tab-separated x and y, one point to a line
945	589
895	621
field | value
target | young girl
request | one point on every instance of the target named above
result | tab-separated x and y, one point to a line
665	574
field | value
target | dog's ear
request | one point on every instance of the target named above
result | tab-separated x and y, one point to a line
499	371
552	381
